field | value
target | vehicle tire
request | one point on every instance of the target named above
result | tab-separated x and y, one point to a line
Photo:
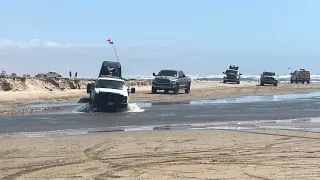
302	82
291	81
308	82
261	84
275	84
187	90
238	82
154	90
166	91
224	81
176	90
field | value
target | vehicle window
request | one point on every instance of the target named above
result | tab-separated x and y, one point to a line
269	73
231	71
103	83
180	73
167	73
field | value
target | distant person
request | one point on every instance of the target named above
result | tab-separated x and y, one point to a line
70	74
76	74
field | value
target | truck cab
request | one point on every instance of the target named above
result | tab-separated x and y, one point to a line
171	80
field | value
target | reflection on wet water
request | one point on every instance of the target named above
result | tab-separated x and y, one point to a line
243	125
252	99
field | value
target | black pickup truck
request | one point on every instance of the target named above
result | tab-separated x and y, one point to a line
171	80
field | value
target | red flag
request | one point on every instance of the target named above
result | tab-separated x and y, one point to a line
110	42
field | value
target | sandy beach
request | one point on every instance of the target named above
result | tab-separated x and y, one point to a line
171	154
214	154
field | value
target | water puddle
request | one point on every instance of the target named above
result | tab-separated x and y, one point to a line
288	124
251	99
46	105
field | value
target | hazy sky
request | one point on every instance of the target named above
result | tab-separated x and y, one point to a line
199	37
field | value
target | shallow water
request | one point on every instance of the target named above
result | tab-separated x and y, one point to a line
251	112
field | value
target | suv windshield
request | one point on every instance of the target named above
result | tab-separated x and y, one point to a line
231	71
111	84
167	73
269	73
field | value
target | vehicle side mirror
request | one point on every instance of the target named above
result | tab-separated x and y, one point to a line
223	72
291	73
184	75
261	74
89	87
154	74
240	74
133	90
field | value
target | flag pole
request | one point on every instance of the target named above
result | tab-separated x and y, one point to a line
115	52
114	49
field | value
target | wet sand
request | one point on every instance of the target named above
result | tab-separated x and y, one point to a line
199	91
206	154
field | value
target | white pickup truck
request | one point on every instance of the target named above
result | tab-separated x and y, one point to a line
109	93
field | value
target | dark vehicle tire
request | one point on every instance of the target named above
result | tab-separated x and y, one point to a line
238	82
308	82
176	90
275	84
154	90
302	82
291	81
261	84
187	90
166	91
224	81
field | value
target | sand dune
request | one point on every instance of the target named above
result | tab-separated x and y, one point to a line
53	84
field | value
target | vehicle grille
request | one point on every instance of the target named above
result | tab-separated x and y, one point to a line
109	97
231	77
270	79
163	81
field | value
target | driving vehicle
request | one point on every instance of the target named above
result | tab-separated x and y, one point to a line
171	80
300	76
109	92
232	74
268	78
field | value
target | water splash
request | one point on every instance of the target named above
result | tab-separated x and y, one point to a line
86	108
133	107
